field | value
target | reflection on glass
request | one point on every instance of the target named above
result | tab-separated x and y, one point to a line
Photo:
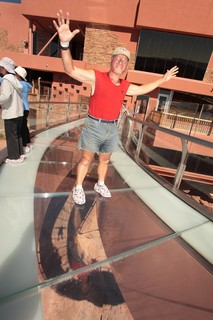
159	51
116	258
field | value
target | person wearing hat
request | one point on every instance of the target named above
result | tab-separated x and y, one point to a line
108	90
12	110
26	87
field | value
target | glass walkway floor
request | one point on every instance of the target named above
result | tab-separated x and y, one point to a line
142	254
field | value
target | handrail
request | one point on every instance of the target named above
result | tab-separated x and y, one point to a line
185	117
205	143
55	102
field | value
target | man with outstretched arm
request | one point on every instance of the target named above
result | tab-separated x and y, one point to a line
108	90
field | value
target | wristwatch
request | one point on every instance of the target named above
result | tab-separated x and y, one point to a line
64	45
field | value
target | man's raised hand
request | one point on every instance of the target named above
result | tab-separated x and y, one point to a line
62	27
171	73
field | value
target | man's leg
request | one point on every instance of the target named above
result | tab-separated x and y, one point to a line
103	165
82	169
83	166
100	186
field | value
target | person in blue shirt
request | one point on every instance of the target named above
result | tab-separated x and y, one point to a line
26	87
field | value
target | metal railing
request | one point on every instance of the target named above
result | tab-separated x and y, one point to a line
46	114
185	163
183	123
49	113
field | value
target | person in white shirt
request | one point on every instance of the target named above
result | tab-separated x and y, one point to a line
12	110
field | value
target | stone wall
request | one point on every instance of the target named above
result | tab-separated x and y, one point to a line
100	41
42	38
208	75
6	46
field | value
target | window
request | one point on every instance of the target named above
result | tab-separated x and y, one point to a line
12	1
159	51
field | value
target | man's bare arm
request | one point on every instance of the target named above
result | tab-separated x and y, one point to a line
65	36
135	90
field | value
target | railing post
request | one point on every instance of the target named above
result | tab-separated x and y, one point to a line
48	115
140	138
68	111
182	165
175	120
129	135
79	110
162	116
210	129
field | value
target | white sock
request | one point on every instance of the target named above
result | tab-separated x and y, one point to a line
100	183
78	186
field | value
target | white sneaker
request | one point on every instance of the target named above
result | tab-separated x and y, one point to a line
26	149
14	161
7	160
30	145
78	196
103	190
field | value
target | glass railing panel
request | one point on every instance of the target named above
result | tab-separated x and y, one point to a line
128	132
197	180
44	115
189	118
47	114
160	149
61	113
194	110
37	116
184	162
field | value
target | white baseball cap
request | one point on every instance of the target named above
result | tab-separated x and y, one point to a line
8	64
21	72
121	50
